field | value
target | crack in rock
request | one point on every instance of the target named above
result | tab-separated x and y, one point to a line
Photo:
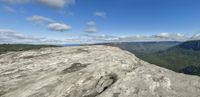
75	67
105	82
102	84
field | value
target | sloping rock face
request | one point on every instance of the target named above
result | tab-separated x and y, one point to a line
89	71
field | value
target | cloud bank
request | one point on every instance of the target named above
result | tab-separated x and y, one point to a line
195	37
170	36
8	36
166	36
13	37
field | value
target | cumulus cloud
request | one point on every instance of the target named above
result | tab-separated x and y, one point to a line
59	27
50	23
40	19
50	3
91	23
91	29
100	14
57	3
15	1
10	36
9	9
65	13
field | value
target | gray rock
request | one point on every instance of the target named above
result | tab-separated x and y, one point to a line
89	71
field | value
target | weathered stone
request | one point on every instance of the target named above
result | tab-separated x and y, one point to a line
105	82
89	71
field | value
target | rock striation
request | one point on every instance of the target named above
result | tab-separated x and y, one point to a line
89	71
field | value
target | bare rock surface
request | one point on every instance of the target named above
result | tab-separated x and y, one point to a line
89	71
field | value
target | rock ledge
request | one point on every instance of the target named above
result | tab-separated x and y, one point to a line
89	71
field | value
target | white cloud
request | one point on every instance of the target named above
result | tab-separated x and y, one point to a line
163	35
59	27
100	14
9	9
72	40
156	37
65	13
134	38
104	38
69	14
10	36
91	29
94	38
15	1
195	37
57	3
50	23
50	3
40	19
170	36
91	23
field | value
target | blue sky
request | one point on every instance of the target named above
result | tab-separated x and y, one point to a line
100	20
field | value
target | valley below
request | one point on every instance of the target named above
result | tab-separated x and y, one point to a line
181	57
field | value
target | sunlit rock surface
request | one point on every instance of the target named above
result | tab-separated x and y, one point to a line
89	71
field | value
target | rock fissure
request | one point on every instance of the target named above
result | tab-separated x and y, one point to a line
75	67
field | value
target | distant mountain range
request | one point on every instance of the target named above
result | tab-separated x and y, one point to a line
181	57
191	45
